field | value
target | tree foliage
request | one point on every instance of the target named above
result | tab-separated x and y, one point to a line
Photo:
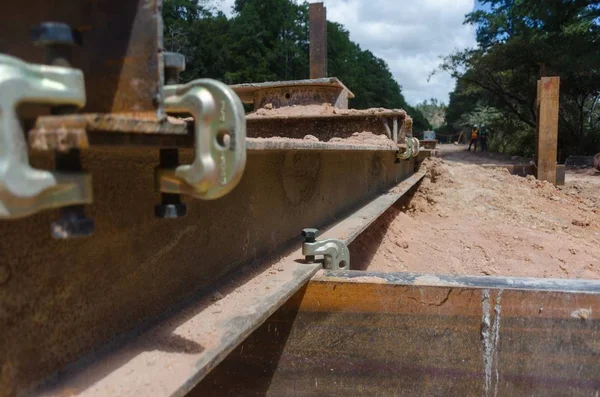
518	42
267	40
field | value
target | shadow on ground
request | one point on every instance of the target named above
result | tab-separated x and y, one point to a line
364	248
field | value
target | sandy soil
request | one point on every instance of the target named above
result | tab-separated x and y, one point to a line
317	110
467	220
366	137
357	138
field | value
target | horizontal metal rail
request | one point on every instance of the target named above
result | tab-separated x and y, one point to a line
361	333
82	131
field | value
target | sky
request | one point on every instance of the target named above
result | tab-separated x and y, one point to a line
410	35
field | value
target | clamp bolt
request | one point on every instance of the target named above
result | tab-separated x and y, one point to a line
58	39
72	222
310	236
174	65
170	206
49	33
336	255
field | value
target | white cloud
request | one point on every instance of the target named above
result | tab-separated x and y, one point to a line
409	35
224	5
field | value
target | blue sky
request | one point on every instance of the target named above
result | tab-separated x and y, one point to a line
479	6
410	35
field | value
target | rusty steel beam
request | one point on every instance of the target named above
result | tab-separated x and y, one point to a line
360	333
278	145
213	328
295	92
64	299
324	129
336	114
301	95
120	52
82	131
326	126
318	40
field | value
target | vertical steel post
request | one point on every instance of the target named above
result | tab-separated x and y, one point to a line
318	40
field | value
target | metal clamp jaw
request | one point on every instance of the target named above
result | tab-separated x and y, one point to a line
413	146
336	255
220	140
23	189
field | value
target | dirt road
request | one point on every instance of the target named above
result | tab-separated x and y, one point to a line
468	220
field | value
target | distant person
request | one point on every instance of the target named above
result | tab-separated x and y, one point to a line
474	134
483	138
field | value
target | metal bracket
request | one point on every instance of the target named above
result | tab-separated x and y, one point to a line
25	190
296	92
220	140
413	147
407	127
392	134
336	255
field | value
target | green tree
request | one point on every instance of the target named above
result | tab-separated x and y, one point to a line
187	25
267	40
521	41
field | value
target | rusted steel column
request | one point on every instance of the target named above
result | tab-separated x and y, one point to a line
119	52
318	40
547	128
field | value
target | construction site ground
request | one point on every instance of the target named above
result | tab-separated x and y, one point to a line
468	220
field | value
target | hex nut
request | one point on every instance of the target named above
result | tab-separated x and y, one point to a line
310	234
53	33
174	60
70	227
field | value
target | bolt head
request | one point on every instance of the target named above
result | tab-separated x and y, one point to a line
70	227
310	234
174	60
170	211
54	33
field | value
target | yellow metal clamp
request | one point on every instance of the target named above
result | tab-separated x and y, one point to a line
25	190
220	140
